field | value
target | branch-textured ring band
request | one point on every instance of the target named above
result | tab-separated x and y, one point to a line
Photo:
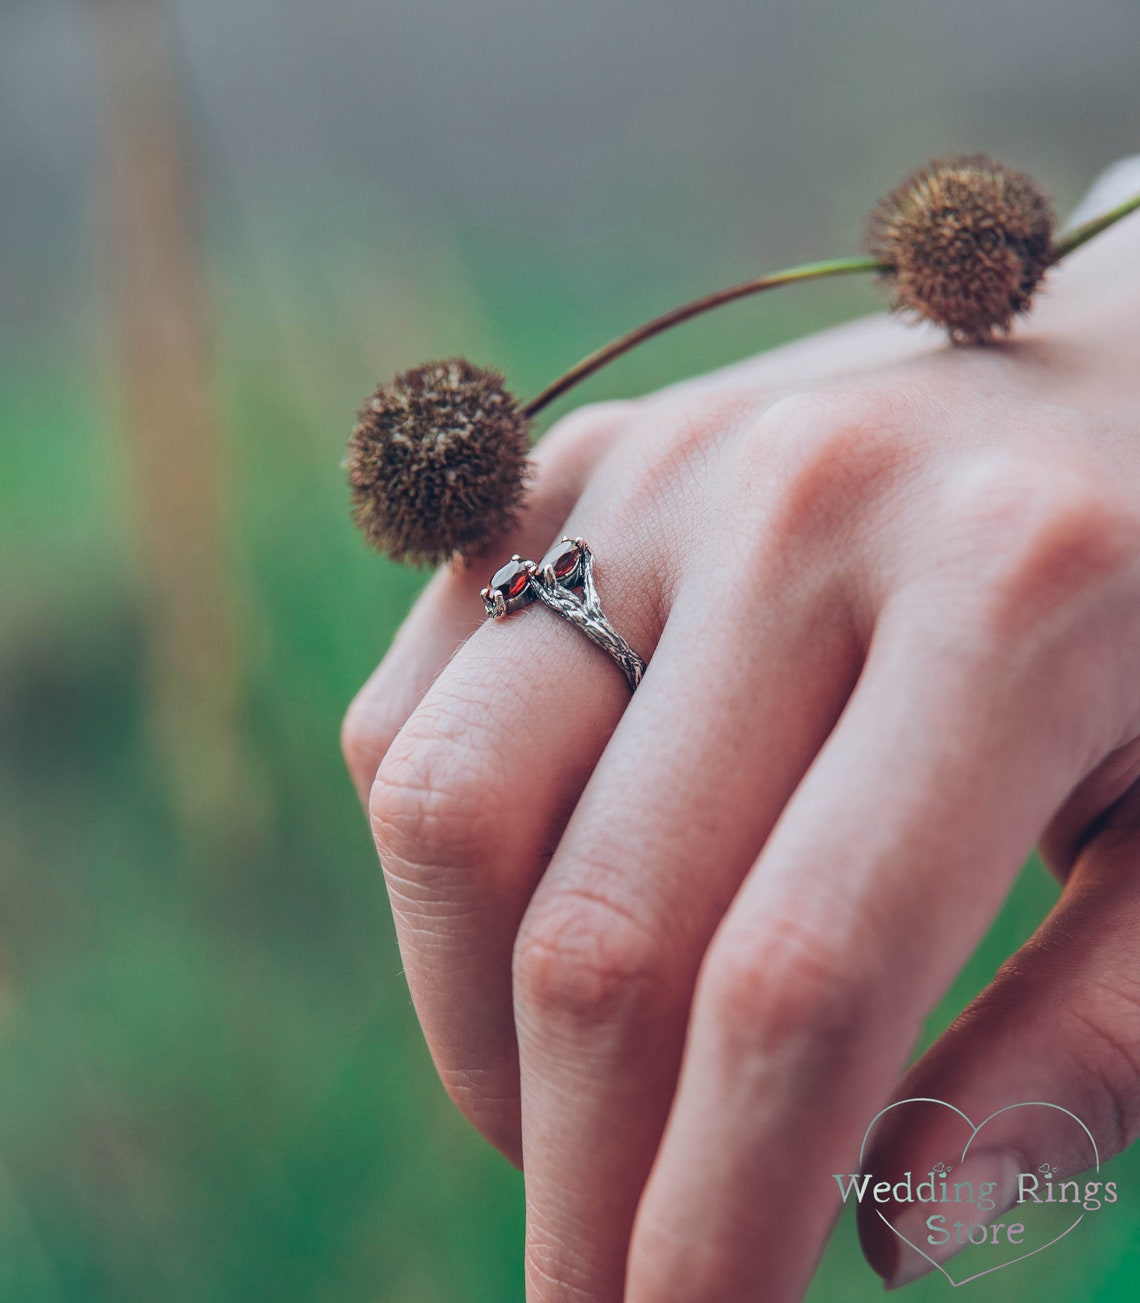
552	581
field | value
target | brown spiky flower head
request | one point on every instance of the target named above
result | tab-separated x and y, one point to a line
437	462
968	241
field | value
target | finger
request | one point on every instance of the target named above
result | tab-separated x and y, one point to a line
472	795
467	807
684	794
880	876
449	609
1059	1024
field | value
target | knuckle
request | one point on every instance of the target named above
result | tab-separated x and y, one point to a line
583	963
794	994
429	805
1047	532
588	427
660	482
827	454
675	444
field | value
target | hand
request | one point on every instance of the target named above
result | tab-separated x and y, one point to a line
890	595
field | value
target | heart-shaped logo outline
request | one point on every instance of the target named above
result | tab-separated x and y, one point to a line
1033	1103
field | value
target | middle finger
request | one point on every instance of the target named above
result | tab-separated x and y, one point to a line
611	944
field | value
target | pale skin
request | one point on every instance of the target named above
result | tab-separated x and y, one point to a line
672	952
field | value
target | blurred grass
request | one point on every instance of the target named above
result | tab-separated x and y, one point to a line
212	1084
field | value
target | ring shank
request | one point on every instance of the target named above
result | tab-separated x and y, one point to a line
552	583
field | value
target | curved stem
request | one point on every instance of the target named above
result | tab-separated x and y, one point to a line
1082	234
615	348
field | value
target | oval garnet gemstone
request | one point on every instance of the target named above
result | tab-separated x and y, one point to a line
563	560
510	580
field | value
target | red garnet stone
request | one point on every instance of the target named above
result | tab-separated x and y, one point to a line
563	560
510	580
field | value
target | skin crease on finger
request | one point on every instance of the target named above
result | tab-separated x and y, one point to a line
989	489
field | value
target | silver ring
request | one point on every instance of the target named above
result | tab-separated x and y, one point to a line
567	566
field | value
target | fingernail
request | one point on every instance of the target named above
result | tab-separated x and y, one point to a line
924	1248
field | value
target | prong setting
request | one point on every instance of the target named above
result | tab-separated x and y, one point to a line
566	567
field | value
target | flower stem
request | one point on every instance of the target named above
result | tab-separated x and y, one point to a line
615	348
1082	234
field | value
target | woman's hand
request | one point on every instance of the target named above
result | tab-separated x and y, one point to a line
672	951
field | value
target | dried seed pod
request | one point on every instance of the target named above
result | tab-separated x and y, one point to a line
968	241
438	462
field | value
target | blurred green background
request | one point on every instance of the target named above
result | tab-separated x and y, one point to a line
222	224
